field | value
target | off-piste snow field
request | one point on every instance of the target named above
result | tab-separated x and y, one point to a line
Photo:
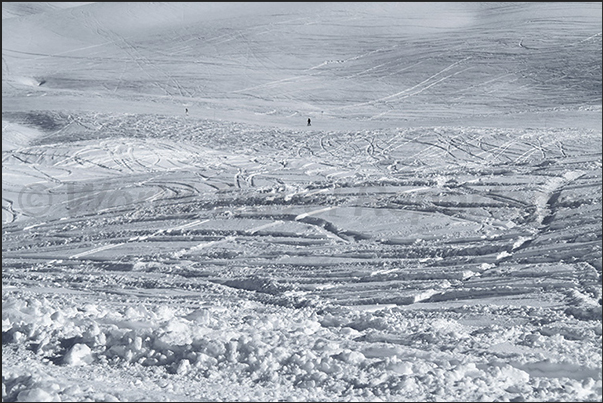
173	230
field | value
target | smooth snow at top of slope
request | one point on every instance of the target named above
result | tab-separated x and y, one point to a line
20	9
343	64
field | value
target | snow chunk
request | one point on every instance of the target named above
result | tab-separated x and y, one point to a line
37	395
503	254
351	357
175	333
401	367
183	367
80	354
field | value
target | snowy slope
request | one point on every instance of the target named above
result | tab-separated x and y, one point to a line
434	235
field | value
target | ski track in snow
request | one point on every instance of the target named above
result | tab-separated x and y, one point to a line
152	254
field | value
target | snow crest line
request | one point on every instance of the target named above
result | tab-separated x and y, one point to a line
304	215
95	250
140	238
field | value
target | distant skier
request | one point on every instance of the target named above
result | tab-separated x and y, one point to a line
186	111
309	122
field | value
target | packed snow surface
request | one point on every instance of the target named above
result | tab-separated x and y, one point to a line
172	230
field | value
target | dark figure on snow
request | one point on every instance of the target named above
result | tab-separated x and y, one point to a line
186	111
309	122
